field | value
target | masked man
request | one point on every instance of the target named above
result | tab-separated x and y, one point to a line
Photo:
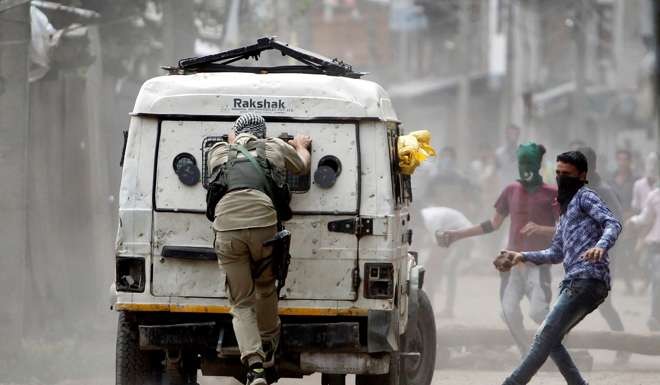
245	218
531	205
587	230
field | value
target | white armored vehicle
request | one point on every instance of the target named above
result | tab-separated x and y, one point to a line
352	302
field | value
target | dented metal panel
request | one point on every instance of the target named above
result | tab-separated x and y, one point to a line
321	267
322	262
184	277
135	194
377	200
340	140
178	137
376	187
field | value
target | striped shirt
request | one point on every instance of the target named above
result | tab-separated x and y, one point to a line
587	223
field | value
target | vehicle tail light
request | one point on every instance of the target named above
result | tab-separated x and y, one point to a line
130	274
378	280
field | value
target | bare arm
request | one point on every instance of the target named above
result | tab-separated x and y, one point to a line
548	231
646	217
448	237
301	143
532	228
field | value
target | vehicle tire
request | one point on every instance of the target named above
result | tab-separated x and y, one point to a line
420	336
135	366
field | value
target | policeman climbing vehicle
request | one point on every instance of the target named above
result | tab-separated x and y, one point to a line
353	300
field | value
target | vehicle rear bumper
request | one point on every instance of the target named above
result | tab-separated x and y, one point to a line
222	309
296	337
306	348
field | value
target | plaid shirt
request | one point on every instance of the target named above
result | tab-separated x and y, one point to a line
587	223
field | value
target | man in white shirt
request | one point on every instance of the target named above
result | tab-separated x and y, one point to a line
436	221
643	186
650	216
641	190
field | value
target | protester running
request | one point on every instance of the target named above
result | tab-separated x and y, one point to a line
587	229
531	204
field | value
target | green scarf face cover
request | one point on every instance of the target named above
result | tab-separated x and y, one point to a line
529	164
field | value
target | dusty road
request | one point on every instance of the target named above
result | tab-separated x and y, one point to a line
453	377
477	305
445	377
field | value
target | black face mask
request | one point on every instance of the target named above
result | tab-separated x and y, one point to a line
567	186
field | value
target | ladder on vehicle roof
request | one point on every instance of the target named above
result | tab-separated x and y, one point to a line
220	62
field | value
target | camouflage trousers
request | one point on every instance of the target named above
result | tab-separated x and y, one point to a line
253	300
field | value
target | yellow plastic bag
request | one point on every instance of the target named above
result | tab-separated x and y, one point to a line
414	148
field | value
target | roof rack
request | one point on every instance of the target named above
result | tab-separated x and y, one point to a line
220	62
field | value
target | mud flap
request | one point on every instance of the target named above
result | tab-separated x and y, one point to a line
382	331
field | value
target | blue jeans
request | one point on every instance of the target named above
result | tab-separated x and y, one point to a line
577	298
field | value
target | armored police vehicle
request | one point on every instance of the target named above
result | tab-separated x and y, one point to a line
353	300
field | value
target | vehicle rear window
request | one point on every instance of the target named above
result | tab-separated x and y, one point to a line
297	183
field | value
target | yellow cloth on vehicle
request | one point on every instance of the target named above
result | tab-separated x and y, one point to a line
414	148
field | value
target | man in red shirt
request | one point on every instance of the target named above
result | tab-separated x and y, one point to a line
533	210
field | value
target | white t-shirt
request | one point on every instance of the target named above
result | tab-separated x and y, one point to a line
443	219
650	215
641	190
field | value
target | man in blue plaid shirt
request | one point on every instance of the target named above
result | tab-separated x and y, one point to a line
587	229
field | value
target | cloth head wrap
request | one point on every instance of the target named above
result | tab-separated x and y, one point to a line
530	156
251	124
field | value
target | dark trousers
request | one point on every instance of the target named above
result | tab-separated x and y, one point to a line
577	298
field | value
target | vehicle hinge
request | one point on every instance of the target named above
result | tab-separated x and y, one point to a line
360	226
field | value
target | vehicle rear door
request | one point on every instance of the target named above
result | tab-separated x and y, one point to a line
323	262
